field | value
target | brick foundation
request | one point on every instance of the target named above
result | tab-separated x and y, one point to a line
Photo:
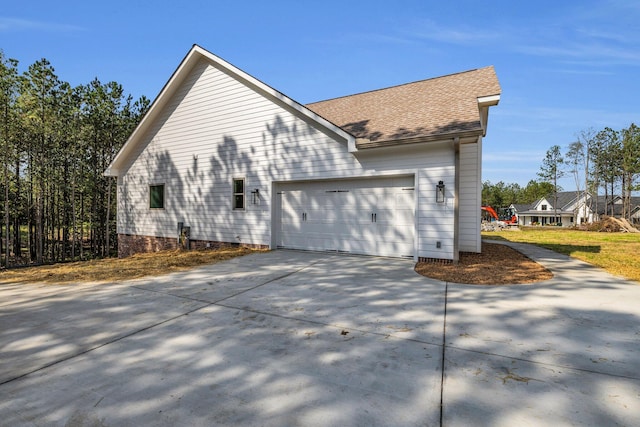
202	244
129	244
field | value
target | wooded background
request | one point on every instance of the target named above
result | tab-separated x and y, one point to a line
55	143
605	162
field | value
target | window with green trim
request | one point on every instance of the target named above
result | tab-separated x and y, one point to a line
156	196
238	193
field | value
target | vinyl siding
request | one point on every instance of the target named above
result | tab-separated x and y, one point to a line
216	128
436	220
470	197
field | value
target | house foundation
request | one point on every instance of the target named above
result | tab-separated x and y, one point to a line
130	244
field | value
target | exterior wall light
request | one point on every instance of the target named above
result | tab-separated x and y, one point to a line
255	196
440	192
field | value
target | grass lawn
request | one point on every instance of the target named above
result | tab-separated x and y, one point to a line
618	253
117	269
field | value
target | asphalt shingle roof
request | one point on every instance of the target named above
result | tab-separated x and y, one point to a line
427	108
565	198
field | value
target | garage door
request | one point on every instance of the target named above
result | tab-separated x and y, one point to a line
374	217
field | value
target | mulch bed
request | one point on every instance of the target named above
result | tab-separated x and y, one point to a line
496	265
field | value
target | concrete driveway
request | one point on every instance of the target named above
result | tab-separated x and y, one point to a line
292	338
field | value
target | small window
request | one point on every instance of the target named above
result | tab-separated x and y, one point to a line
544	207
238	193
156	196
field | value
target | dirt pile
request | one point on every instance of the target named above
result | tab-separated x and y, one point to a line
610	224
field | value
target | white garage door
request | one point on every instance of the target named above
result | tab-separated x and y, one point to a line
374	217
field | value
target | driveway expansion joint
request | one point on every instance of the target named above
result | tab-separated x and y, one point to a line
444	348
96	347
267	282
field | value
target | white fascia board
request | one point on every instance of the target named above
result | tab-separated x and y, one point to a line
180	74
484	102
488	101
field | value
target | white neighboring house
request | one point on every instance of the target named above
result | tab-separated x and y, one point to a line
239	162
571	210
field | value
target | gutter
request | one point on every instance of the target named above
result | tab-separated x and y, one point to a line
453	137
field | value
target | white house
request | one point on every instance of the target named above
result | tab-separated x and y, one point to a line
571	210
393	172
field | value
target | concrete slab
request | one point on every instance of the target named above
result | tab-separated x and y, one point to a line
490	390
362	293
300	338
218	282
224	366
61	321
561	352
583	318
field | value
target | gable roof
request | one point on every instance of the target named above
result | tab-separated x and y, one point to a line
521	207
565	199
191	60
605	204
435	109
566	202
427	109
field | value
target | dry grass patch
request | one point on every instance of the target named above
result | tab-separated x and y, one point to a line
116	269
496	265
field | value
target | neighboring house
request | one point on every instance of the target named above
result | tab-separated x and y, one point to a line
635	212
518	209
614	206
571	210
392	172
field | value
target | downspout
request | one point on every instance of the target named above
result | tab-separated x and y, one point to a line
456	209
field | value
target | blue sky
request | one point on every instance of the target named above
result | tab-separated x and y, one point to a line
563	66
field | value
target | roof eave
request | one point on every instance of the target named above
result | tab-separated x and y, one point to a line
465	136
484	102
488	101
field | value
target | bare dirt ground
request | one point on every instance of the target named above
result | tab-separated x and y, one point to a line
496	265
117	269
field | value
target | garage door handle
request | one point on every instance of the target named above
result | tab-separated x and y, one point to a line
374	217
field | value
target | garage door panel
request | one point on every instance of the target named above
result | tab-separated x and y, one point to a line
367	217
404	217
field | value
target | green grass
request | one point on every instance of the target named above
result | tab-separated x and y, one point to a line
617	253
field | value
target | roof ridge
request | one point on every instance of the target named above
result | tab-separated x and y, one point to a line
400	85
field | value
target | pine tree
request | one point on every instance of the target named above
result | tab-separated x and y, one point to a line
550	171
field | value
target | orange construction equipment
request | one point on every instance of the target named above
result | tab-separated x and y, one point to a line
508	216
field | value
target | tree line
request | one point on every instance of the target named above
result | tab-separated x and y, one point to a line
56	140
600	162
501	195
